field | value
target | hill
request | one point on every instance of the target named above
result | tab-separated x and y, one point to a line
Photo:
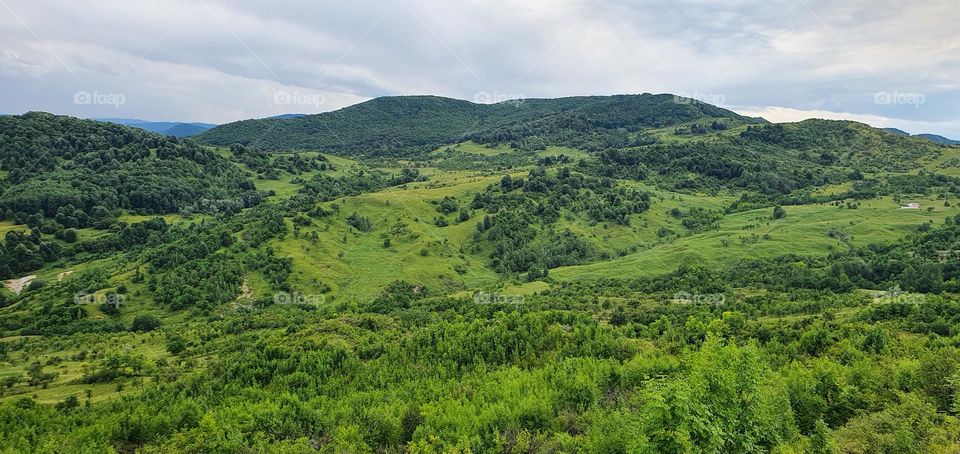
939	139
167	128
417	124
931	137
596	274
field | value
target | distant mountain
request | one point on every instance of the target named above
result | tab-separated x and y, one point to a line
185	129
168	128
287	116
931	137
939	139
415	124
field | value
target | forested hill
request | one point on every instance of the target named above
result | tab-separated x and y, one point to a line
411	124
81	170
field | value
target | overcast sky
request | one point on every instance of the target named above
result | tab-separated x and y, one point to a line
887	63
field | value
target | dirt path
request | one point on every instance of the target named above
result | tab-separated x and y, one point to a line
245	291
63	275
17	285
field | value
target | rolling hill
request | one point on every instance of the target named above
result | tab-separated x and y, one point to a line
416	124
422	274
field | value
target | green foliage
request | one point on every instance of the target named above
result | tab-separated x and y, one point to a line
99	167
418	124
143	323
193	349
779	212
361	223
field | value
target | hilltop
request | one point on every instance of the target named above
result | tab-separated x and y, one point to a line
415	124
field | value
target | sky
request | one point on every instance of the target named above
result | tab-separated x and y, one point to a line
885	63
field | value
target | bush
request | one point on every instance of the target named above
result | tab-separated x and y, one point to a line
361	223
779	212
143	323
67	235
176	345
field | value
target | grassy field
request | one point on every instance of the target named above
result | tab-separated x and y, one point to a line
348	264
285	185
947	163
6	226
754	234
358	264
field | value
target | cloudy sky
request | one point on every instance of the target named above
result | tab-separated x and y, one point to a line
884	62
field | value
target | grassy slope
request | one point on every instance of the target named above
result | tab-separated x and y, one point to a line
803	231
366	266
357	265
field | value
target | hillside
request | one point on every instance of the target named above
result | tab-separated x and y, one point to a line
422	274
414	124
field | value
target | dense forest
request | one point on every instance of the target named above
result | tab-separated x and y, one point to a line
417	274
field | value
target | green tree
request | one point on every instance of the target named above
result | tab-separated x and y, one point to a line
779	212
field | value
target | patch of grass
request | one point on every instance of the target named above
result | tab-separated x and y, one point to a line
754	234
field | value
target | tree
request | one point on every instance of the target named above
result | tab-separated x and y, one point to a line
448	205
779	212
67	235
145	322
361	223
68	404
820	441
176	345
728	402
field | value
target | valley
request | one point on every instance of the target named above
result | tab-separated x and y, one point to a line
423	274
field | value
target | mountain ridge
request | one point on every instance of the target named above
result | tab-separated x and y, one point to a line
935	138
403	124
169	128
